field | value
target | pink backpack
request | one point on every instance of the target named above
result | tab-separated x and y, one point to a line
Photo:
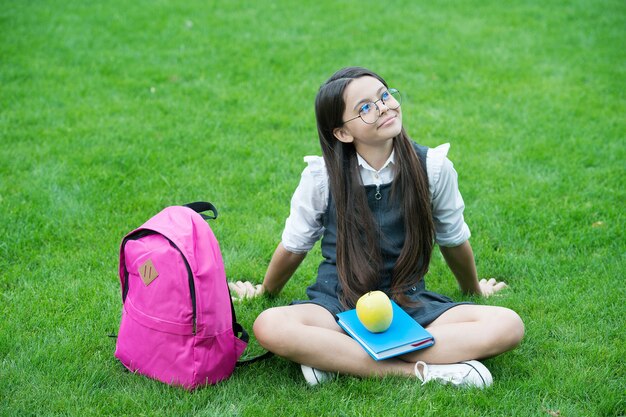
178	322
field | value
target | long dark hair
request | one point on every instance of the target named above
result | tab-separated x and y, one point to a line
359	261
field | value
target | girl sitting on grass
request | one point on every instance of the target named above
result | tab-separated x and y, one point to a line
380	202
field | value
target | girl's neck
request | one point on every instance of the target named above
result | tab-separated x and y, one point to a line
376	156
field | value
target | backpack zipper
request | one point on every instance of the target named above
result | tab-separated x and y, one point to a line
192	287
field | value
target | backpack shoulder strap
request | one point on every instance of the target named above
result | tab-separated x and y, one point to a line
242	334
261	357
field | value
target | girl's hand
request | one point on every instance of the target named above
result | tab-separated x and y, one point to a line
488	288
245	290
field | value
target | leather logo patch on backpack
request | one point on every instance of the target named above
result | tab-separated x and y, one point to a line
148	272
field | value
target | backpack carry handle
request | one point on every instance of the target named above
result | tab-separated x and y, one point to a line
201	206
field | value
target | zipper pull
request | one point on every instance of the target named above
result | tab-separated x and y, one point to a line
378	196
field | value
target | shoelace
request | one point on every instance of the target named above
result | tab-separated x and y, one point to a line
455	378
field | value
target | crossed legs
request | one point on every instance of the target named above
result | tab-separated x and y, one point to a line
308	334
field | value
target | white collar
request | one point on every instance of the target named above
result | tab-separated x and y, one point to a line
363	163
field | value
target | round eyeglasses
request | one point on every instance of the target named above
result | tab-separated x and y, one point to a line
370	112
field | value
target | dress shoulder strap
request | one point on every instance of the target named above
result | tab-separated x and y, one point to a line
421	151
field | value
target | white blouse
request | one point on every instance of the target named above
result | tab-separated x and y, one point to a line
309	202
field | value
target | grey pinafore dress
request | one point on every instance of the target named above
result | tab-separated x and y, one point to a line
325	291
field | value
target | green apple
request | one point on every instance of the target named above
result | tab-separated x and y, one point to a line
375	312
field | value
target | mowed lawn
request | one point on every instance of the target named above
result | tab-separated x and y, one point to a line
112	110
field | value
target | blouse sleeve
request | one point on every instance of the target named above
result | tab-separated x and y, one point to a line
447	202
304	225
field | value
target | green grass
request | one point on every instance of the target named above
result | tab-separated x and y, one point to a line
111	110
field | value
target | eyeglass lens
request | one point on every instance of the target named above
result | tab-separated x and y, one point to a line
370	112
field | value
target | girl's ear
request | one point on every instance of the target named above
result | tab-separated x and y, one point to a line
343	135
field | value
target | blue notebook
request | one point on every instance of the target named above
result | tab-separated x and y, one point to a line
403	336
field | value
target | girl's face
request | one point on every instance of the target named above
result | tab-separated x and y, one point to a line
359	96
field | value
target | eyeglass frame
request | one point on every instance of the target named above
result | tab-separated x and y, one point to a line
388	90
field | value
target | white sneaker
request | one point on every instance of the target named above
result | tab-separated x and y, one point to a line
462	374
314	376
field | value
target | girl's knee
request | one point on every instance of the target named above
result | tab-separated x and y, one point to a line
512	328
269	327
264	326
